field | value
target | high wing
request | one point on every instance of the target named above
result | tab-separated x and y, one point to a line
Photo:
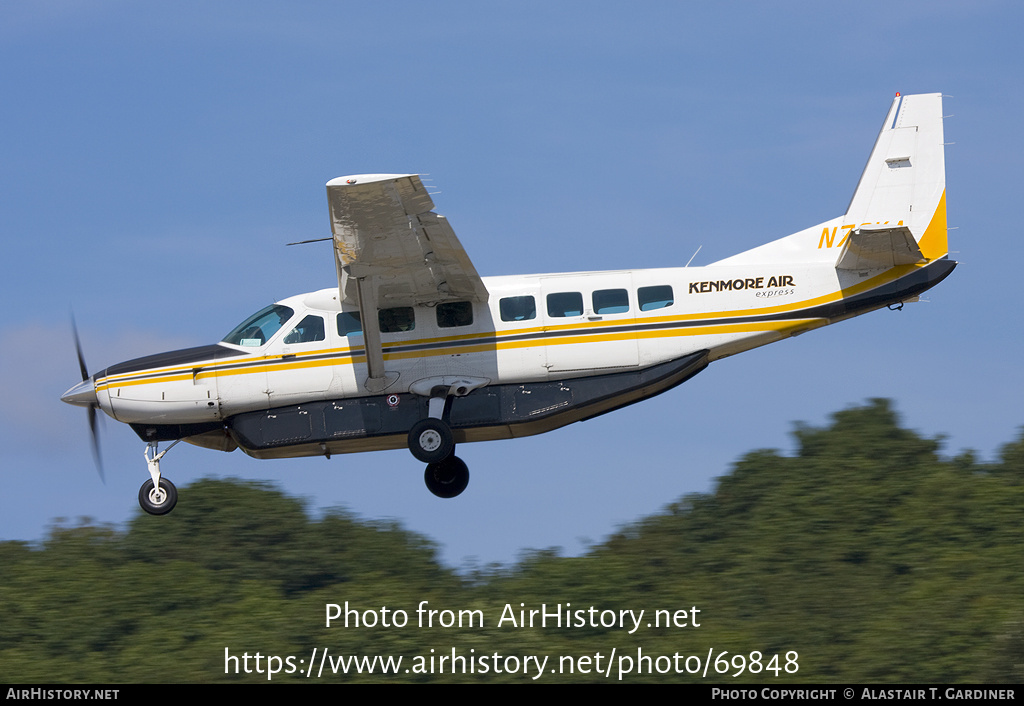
384	227
391	249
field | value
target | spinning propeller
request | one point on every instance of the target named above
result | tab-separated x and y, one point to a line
84	395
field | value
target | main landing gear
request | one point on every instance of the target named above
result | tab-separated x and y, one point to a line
431	441
157	496
447	478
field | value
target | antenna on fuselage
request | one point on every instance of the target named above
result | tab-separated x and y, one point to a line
315	240
693	256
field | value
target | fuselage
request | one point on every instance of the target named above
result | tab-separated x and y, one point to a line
532	329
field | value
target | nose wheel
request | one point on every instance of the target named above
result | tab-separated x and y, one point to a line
158	501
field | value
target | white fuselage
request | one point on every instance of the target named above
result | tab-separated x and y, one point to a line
581	324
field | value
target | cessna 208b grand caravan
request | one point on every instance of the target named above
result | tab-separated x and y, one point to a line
414	349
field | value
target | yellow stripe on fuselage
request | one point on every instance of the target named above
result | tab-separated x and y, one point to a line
540	337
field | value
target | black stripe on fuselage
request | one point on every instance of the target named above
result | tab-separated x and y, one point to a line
183	356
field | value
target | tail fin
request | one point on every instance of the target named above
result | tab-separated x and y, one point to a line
898	213
901	197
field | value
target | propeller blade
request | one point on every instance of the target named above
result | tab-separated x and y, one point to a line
93	428
78	350
95	434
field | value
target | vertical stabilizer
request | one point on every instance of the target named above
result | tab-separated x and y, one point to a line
904	182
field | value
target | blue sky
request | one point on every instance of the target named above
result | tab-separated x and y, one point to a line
155	158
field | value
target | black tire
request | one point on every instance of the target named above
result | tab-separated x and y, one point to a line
152	503
447	478
430	440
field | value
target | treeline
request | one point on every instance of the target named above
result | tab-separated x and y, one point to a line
865	557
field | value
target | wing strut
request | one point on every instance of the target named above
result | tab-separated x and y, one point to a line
377	379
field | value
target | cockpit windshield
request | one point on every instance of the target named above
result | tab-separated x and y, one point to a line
260	327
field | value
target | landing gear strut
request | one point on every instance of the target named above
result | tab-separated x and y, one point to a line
431	440
157	496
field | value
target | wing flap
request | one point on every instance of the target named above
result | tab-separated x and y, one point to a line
384	226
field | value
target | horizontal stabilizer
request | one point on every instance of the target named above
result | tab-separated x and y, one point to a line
874	247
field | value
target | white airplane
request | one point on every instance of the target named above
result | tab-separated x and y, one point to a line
414	349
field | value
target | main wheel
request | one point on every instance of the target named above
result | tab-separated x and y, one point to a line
447	478
158	502
430	440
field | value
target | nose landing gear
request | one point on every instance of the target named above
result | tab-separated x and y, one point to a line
157	496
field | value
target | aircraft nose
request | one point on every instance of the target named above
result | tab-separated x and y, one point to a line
81	395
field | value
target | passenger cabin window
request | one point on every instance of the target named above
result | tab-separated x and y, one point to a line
349	324
655	297
611	301
565	304
450	314
260	327
310	329
518	308
399	318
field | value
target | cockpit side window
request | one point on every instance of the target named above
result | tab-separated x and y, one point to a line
310	329
260	327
